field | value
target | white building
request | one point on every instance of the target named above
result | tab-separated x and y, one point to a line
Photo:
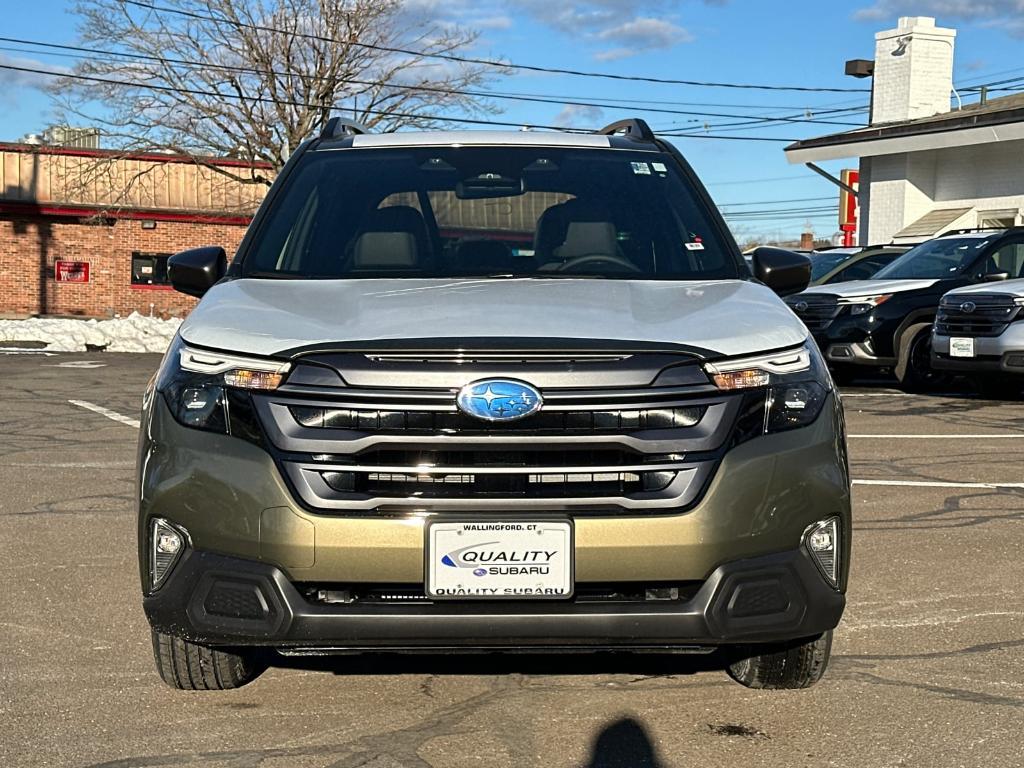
924	167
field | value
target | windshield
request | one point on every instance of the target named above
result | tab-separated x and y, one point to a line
488	211
936	259
824	263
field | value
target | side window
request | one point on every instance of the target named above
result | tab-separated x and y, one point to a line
859	271
1008	258
149	268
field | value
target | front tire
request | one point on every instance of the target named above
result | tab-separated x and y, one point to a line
799	664
914	370
189	666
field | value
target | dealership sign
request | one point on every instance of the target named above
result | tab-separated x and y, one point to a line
71	271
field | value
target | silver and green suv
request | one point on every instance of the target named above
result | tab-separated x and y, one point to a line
491	391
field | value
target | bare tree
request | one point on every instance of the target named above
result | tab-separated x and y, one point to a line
251	79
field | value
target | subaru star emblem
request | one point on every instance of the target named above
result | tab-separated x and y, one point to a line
800	306
499	399
967	307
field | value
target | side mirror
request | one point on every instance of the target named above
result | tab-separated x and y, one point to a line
783	271
195	271
995	277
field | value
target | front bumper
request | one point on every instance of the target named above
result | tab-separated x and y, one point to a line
993	354
219	600
856	353
862	340
231	498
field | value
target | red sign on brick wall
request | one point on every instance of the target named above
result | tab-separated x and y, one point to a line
71	271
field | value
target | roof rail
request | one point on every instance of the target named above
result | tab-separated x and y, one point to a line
340	126
966	230
633	127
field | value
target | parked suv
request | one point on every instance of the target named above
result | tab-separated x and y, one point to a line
886	322
979	331
499	391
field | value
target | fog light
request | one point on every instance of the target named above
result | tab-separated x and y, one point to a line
821	540
167	543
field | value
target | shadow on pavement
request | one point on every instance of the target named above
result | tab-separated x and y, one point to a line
624	744
640	665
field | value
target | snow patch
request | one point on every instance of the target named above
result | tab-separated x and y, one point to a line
135	333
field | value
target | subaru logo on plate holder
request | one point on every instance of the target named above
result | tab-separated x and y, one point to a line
967	307
498	399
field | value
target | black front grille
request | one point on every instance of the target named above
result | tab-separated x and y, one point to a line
367	434
816	312
391	594
546	422
506	485
976	315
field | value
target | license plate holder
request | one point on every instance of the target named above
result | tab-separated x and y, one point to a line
474	559
960	346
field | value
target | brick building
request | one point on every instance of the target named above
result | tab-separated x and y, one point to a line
88	232
928	164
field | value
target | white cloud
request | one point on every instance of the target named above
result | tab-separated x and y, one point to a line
579	116
20	79
493	22
647	33
630	26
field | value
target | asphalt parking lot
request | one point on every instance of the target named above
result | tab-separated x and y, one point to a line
927	668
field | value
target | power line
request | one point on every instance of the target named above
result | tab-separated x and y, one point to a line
782	217
802	177
486	62
769	202
560	97
396	86
286	102
781	212
733	138
755	121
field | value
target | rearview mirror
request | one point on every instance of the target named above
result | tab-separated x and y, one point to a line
783	271
995	277
488	185
195	271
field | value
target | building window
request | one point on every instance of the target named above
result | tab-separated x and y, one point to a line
997	219
149	268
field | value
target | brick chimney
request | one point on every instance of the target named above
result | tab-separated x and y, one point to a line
913	70
807	241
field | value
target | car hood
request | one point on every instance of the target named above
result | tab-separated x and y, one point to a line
275	317
1005	287
870	287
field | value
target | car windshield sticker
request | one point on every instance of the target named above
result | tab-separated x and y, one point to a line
659	167
695	246
641	169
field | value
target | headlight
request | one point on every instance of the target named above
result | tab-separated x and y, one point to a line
208	390
1019	301
860	305
795	382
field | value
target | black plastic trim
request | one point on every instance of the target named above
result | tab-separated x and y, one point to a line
811	607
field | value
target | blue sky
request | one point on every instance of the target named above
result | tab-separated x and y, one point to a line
799	42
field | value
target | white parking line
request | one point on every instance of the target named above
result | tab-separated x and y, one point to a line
936	484
113	415
1010	436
